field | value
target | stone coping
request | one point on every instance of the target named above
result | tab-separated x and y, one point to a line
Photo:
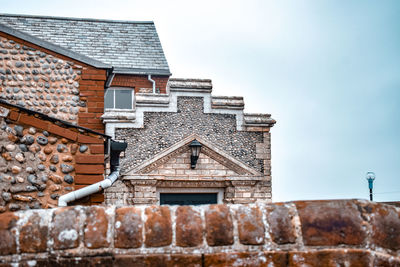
317	233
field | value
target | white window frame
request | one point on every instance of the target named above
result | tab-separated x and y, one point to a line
119	88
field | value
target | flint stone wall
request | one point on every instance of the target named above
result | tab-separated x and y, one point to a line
303	233
58	86
163	129
39	81
40	161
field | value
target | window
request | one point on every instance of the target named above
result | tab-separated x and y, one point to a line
188	198
119	98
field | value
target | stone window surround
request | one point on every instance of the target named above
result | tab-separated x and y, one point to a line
220	192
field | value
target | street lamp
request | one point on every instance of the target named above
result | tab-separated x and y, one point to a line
370	178
195	148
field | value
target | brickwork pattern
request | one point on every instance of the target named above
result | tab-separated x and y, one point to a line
205	166
141	83
348	233
41	161
164	129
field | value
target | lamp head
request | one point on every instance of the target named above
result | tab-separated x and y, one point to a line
195	148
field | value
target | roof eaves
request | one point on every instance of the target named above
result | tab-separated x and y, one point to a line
140	71
53	47
75	19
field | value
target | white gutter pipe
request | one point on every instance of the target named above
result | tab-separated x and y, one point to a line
154	83
88	190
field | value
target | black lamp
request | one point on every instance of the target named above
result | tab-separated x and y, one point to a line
195	148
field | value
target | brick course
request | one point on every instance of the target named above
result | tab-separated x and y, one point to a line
141	82
156	235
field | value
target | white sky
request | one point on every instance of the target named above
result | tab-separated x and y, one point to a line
328	72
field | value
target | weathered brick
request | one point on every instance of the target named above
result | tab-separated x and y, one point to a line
331	258
96	149
89	158
128	228
189	227
89	168
88	179
281	228
34	234
86	115
158	228
65	229
88	76
172	260
385	222
7	233
330	223
32	121
219	225
79	261
250	225
252	259
13	115
71	135
97	198
84	139
96	224
388	261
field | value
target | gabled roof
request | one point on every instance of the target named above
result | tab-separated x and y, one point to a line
123	44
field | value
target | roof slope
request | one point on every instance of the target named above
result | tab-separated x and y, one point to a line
122	44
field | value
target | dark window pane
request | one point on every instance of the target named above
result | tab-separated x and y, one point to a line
109	99
123	99
188	198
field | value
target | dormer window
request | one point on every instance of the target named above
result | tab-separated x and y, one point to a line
119	98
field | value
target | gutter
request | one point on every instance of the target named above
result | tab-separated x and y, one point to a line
116	149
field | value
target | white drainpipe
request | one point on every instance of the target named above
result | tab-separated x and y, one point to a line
88	190
154	83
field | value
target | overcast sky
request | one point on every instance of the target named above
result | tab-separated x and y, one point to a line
327	71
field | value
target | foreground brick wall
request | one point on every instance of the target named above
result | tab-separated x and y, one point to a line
306	233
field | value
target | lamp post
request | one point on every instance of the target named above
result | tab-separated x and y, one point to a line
370	178
195	148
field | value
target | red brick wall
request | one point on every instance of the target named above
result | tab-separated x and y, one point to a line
92	87
141	82
304	233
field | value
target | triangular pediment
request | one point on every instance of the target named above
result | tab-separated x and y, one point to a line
176	161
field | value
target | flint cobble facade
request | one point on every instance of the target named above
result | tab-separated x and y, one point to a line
163	129
304	233
37	80
40	161
44	81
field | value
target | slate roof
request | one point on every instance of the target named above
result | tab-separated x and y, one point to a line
127	45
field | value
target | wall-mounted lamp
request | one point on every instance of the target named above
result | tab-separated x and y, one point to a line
195	148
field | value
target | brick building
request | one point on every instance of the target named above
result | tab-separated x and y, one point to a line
110	80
